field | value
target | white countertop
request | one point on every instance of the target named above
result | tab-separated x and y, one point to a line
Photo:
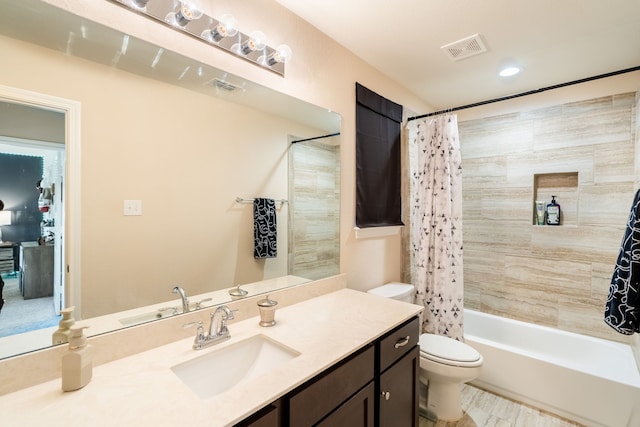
142	390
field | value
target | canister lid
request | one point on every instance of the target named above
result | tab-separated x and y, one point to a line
267	302
237	292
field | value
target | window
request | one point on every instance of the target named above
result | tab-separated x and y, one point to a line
378	127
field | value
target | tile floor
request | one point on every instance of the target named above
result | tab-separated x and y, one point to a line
485	409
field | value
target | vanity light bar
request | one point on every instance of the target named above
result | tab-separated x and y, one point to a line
185	16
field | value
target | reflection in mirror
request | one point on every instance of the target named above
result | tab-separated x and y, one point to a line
185	140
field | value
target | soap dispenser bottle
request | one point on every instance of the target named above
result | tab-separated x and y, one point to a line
553	212
61	336
77	364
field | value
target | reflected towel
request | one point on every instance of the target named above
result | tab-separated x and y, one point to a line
264	228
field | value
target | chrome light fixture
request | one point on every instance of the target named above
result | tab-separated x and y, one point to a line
187	16
282	54
256	41
138	4
188	10
227	27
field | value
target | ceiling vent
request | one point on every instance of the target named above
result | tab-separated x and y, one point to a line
469	46
221	84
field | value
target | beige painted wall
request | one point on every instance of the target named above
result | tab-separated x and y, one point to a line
555	276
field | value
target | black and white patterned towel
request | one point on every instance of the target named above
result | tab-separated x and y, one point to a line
622	311
264	228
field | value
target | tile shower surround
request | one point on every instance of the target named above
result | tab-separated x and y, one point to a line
556	276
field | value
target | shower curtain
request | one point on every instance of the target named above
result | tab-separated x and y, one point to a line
436	224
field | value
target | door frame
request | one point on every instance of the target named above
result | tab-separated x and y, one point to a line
71	241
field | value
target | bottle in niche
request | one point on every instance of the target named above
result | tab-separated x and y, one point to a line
553	212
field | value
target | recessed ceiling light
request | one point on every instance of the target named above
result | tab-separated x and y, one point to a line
509	71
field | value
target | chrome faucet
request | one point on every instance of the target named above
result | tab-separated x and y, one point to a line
218	327
183	295
218	330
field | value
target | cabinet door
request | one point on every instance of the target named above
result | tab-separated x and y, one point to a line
355	412
267	417
399	392
330	389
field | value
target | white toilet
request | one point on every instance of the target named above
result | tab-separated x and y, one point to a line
445	363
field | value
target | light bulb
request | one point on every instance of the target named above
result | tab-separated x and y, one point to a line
139	4
227	27
256	41
281	54
189	10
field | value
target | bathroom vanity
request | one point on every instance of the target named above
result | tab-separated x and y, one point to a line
377	386
355	362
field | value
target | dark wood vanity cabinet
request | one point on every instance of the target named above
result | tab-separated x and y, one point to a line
330	393
266	417
398	402
375	387
399	364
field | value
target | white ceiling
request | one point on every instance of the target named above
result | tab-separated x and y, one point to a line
554	41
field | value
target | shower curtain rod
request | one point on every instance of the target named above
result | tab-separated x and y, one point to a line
530	92
316	137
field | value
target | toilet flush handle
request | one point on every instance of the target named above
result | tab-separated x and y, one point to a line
402	342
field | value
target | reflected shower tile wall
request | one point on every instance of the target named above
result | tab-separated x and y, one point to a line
557	276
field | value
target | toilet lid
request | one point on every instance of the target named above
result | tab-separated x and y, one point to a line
393	290
449	351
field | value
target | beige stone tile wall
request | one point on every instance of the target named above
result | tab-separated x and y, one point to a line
557	276
314	206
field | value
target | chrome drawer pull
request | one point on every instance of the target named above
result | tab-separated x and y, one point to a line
402	342
385	394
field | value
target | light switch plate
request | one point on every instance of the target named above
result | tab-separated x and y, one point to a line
133	207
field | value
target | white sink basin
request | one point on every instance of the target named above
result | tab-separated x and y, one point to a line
239	363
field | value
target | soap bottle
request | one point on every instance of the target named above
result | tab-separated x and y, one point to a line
553	212
77	364
61	336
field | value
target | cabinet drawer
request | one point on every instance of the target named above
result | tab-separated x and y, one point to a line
398	343
322	395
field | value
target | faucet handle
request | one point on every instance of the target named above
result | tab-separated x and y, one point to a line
227	315
199	303
230	315
200	338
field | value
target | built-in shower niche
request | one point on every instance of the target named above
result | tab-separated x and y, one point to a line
563	185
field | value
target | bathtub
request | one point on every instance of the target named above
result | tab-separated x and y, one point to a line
591	381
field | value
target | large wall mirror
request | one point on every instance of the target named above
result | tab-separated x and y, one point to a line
193	144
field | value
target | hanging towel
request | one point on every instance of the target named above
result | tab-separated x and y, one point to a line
622	311
264	228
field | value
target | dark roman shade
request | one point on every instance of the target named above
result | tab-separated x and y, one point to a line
378	127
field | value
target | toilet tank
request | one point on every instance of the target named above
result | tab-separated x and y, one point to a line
395	290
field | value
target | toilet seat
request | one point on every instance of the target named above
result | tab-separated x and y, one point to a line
448	351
